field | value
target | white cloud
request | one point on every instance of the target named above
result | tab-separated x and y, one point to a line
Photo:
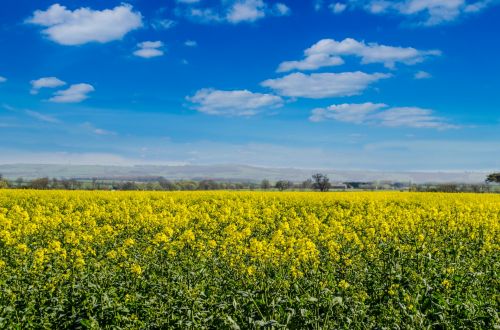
323	85
477	6
425	12
338	7
85	25
380	114
205	15
150	44
377	6
148	49
2	79
422	75
281	9
312	62
350	113
246	11
328	52
233	11
191	43
163	24
45	82
74	94
233	103
42	117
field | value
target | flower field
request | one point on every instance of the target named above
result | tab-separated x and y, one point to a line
137	260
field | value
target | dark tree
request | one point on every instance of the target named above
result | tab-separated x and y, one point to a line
129	185
282	185
265	184
493	178
208	185
41	183
321	182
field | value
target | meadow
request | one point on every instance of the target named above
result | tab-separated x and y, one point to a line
240	260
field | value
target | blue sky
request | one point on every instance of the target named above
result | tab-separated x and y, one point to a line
353	84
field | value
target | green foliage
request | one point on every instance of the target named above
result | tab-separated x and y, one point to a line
493	177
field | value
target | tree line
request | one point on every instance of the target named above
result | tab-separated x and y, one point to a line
318	182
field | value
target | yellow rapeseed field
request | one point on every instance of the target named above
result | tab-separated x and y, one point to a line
248	260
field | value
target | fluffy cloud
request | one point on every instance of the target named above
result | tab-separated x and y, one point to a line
311	62
190	43
380	114
46	82
2	79
338	7
422	75
425	12
281	9
233	103
235	11
350	113
74	94
328	52
85	25
148	49
246	11
323	85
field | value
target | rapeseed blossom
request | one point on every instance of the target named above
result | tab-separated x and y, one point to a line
274	256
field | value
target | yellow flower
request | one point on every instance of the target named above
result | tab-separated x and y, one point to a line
251	270
23	248
136	269
344	285
79	262
129	242
446	284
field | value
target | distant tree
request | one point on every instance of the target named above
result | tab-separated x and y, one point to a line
66	184
493	177
208	185
3	183
187	185
129	185
40	183
150	186
447	187
283	185
321	182
265	184
307	184
19	182
166	184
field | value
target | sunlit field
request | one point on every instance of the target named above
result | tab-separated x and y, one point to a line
248	260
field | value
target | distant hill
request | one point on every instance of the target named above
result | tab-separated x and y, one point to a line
226	172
